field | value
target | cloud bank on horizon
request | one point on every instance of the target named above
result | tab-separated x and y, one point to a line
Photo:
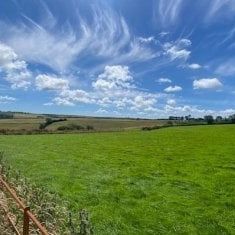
118	58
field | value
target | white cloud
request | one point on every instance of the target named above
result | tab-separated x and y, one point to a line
175	53
51	82
178	110
146	40
171	102
178	49
101	111
227	68
8	56
164	80
116	72
14	70
115	86
19	79
195	111
141	103
62	101
48	104
194	66
163	34
104	101
173	89
70	97
207	83
128	100
6	99
184	42
114	78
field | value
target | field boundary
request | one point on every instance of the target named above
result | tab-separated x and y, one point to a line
27	214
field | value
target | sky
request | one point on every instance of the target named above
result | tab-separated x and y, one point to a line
125	58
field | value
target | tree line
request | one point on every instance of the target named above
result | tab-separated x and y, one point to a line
209	119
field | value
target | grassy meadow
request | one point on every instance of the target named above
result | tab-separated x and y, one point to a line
99	124
178	180
20	123
109	124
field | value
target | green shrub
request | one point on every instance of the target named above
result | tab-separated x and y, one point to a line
70	127
89	128
147	128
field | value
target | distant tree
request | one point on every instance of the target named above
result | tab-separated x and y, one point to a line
6	115
42	126
48	121
232	118
187	118
219	119
89	127
209	119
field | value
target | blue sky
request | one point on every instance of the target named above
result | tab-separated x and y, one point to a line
131	58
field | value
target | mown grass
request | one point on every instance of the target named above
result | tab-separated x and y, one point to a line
179	180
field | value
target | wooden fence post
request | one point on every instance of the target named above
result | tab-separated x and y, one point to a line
26	221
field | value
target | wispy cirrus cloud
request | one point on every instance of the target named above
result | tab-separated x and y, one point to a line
167	11
105	36
226	68
92	53
217	8
229	37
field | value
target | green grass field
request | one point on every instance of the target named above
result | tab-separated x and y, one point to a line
178	180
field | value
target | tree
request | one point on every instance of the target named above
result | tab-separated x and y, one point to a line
187	118
219	119
232	118
209	119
